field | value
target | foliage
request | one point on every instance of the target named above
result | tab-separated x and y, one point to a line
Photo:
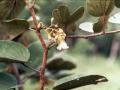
26	43
7	81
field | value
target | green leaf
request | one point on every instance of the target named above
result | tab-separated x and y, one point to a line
5	8
10	8
28	37
76	15
58	64
117	3
78	81
9	29
98	27
70	28
100	7
17	8
13	52
64	12
36	52
57	17
7	81
61	15
66	21
2	67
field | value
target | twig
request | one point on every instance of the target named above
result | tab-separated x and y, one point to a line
36	71
93	35
51	44
45	50
42	69
16	73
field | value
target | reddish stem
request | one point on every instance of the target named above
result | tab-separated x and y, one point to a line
104	20
16	73
45	50
93	35
42	70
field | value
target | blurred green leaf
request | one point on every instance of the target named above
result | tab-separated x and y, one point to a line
66	21
5	8
7	81
57	17
2	66
13	52
117	3
70	28
9	29
36	53
25	14
64	12
61	15
100	7
98	27
28	37
58	64
76	15
10	8
78	81
17	8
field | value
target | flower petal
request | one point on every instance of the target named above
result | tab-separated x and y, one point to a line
62	46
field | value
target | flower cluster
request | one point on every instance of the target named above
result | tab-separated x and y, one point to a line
58	36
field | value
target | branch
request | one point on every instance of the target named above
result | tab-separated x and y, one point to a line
51	44
25	65
42	69
93	35
16	73
45	49
37	25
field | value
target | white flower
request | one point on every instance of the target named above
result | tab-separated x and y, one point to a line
62	46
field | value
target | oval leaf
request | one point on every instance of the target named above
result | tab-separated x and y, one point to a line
57	17
76	15
70	28
10	8
13	52
28	37
100	7
17	8
78	81
10	29
7	81
5	8
61	14
98	27
36	52
58	64
64	12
